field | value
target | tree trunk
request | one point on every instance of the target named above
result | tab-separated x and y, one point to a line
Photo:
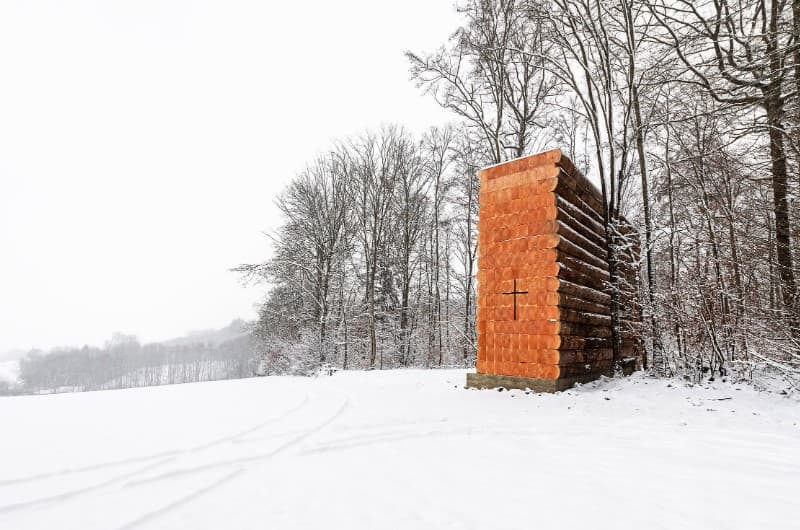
373	346
404	331
783	247
648	226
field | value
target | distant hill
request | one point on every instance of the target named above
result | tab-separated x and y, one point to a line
236	329
124	362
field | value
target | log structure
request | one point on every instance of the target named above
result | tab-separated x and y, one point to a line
544	304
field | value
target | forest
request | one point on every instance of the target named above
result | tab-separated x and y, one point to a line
124	362
684	113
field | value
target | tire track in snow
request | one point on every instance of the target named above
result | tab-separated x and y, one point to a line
163	454
167	457
186	499
242	434
389	437
245	459
345	429
80	491
86	469
146	518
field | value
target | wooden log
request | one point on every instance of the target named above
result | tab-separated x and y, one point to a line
555	357
566	287
540	298
555	342
579	304
532	264
528	179
524	248
597	241
535	313
597	343
574	276
549	327
568	167
584	356
572	182
571	249
590	205
543	200
546	158
581	265
582	317
572	370
494	207
541	327
589	222
573	328
539	356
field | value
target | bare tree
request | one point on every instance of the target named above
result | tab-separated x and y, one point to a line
491	76
409	214
316	206
374	165
740	53
466	157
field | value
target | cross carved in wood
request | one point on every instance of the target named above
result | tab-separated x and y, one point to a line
515	292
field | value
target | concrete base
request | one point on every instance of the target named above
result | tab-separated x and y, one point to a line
526	383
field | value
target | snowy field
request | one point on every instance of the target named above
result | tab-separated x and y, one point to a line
400	449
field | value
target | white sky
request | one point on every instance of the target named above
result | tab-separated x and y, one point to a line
142	143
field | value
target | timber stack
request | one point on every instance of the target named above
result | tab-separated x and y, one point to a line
544	299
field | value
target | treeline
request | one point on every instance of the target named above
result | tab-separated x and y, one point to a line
125	363
374	265
685	113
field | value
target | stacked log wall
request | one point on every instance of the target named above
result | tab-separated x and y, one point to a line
541	223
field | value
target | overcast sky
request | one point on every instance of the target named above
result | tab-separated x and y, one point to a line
142	143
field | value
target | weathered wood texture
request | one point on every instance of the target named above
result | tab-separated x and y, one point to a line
541	225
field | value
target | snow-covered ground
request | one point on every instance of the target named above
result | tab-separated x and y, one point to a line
401	449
